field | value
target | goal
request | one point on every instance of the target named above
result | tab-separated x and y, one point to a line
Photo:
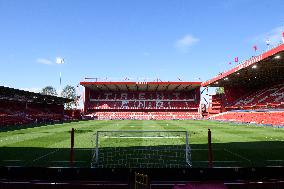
141	149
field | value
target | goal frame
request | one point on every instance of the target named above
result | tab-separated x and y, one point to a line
95	155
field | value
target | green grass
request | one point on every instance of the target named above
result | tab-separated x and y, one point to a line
233	145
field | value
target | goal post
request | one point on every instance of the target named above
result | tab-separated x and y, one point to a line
141	149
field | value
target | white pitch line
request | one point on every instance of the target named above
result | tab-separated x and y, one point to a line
238	155
46	155
143	137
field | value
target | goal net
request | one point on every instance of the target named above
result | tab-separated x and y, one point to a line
141	149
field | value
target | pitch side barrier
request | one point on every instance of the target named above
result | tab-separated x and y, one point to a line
20	177
4	128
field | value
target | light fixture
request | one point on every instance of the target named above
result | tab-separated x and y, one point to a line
254	67
277	57
238	73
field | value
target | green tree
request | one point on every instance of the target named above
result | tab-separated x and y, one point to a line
69	92
49	90
220	90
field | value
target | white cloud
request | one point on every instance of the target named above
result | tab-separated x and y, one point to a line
186	42
274	36
44	61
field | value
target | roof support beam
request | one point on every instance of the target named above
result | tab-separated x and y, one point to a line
107	87
127	88
167	87
157	87
185	89
177	87
203	90
117	87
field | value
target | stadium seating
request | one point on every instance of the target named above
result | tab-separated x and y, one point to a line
267	98
142	105
142	100
216	104
135	104
145	115
16	113
273	117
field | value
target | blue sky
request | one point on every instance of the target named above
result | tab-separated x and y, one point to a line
114	39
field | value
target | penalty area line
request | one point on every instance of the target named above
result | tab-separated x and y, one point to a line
238	155
54	151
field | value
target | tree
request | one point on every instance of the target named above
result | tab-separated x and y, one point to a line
69	92
49	90
220	90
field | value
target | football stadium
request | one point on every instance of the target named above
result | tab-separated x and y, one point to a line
150	126
141	94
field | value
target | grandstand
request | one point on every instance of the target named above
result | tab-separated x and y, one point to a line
142	100
256	86
19	107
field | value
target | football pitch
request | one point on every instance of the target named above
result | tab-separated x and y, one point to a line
234	145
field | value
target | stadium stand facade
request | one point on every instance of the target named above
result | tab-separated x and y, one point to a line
18	107
142	100
256	85
270	117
